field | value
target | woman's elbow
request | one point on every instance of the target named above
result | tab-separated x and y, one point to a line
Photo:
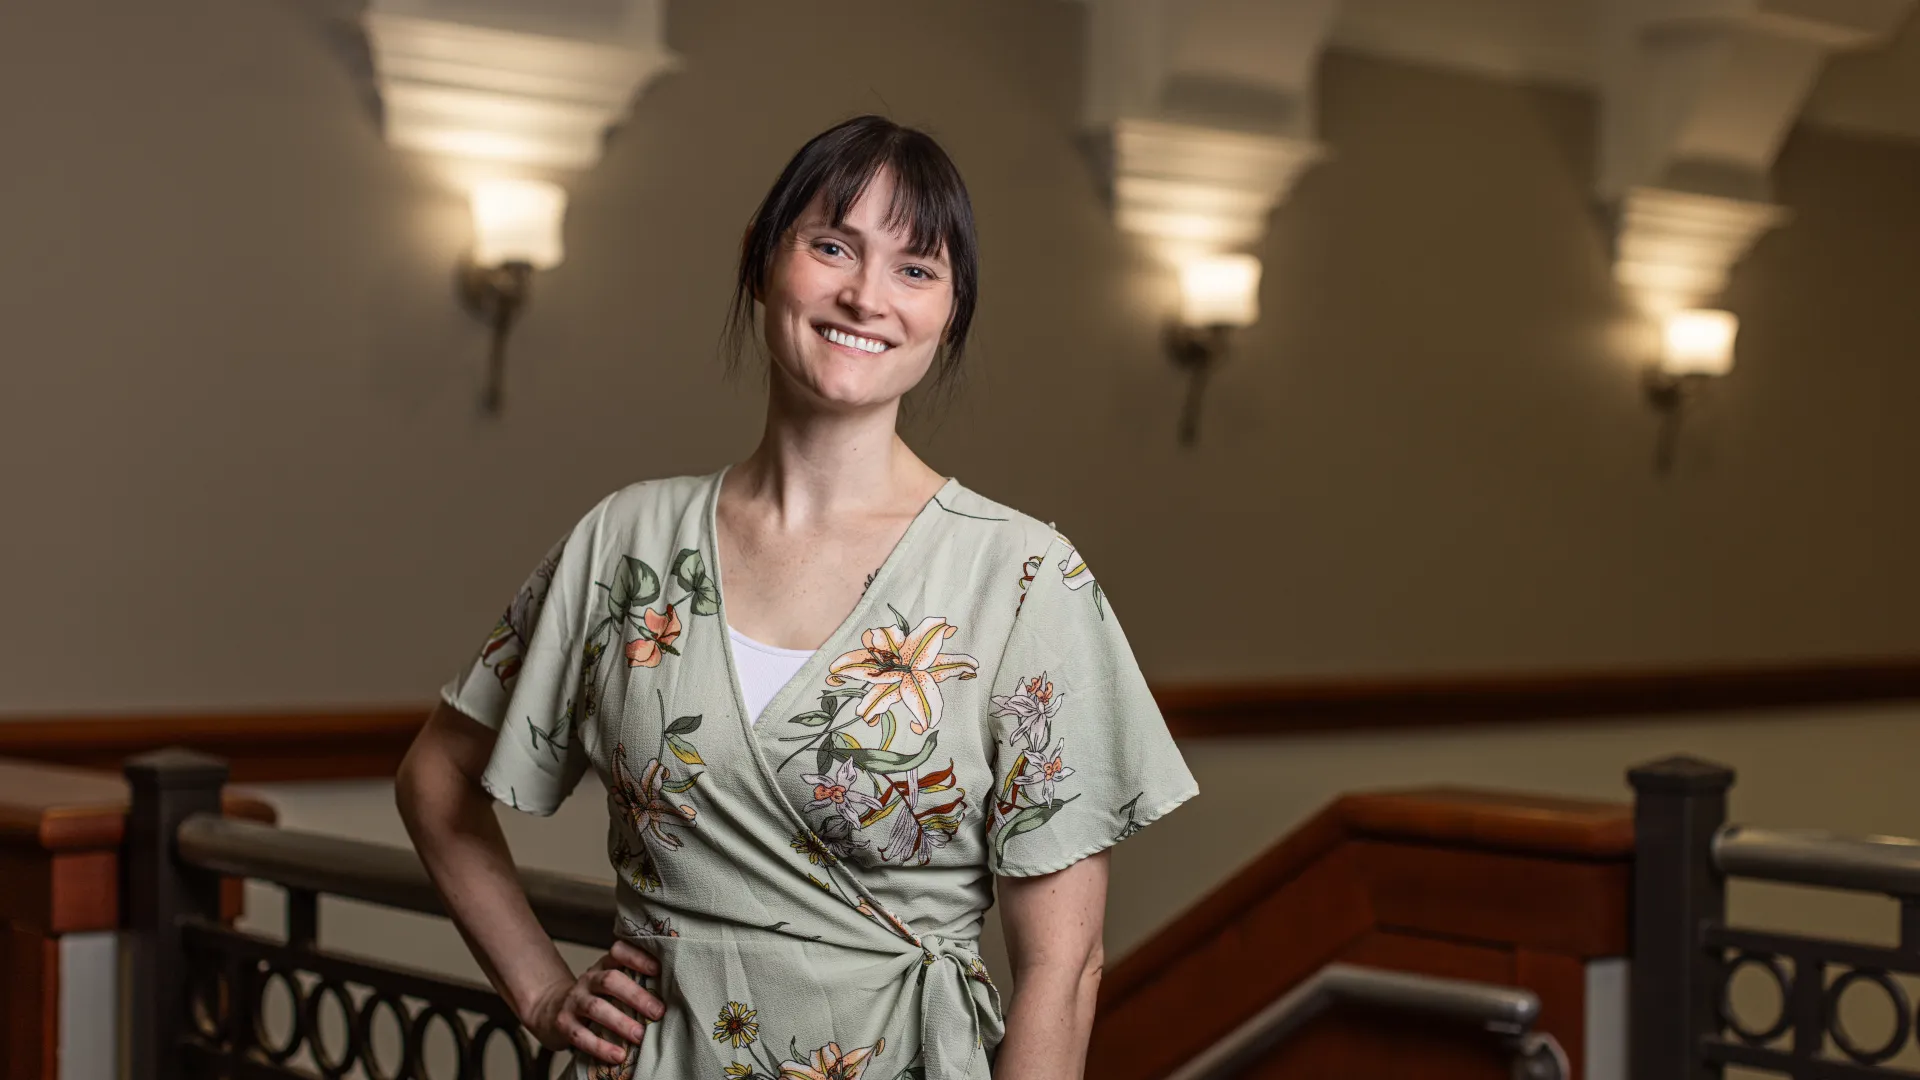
1092	968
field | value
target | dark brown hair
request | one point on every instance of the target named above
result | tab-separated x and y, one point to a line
929	198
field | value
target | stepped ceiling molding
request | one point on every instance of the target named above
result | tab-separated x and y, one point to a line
1696	98
1203	112
1204	109
534	85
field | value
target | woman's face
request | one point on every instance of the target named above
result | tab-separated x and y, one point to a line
852	318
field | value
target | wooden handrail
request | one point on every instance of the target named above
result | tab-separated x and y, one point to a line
1487	885
60	835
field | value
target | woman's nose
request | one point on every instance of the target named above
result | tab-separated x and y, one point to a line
861	294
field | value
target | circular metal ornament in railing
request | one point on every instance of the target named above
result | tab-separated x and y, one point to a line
1902	1011
331	1065
1782	980
363	1033
523	1058
264	977
416	1066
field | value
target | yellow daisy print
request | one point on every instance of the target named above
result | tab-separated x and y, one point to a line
736	1025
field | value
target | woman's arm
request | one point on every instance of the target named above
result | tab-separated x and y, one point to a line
451	820
1053	925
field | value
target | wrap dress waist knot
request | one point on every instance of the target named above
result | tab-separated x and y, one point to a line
959	1009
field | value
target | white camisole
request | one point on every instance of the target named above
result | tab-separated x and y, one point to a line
763	670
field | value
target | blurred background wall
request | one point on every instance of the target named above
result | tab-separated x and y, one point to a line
245	467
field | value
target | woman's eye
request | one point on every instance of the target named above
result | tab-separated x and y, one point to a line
828	247
919	273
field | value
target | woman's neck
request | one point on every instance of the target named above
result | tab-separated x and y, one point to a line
812	463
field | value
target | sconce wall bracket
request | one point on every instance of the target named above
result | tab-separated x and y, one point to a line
496	295
1670	396
1195	350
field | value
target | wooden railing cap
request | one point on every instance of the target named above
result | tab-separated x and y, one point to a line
1500	820
56	808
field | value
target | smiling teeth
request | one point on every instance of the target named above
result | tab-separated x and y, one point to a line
863	344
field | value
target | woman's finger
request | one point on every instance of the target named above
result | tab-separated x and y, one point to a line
582	1038
620	985
635	957
616	1023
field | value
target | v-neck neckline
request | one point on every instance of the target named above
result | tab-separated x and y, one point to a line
809	672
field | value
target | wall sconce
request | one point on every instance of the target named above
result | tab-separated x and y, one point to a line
516	230
1217	294
1698	346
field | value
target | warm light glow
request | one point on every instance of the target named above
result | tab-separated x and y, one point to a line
518	221
1220	290
1699	342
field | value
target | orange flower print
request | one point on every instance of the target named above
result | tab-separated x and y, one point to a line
836	791
662	629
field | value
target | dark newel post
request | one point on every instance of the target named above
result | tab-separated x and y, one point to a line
1679	803
167	786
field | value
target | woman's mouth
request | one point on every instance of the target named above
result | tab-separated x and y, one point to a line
852	341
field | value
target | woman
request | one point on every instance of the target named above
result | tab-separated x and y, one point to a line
818	763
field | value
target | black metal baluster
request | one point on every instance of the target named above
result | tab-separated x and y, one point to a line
1676	982
303	918
167	786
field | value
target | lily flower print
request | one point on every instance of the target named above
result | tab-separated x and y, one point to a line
836	791
901	667
831	1063
1043	772
662	628
1033	704
915	839
1073	569
644	804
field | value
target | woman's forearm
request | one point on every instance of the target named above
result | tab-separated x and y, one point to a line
1049	1022
459	840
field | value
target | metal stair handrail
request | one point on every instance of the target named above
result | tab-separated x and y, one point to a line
1504	1011
570	907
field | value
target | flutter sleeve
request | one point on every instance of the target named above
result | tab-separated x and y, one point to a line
1083	758
523	682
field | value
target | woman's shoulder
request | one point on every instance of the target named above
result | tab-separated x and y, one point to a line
987	523
664	501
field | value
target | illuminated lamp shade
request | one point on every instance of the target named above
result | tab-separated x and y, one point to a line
1220	290
1699	342
518	221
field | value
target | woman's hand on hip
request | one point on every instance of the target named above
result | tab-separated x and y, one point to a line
561	1016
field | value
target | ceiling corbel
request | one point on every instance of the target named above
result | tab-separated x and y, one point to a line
1203	113
1698	96
529	85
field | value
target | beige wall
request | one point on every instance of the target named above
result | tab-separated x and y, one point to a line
247	470
243	465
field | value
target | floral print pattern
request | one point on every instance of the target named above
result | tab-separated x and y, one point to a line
736	1025
660	630
1033	704
837	791
812	855
902	667
1027	797
831	1063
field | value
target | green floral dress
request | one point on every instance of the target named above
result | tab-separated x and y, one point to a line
814	884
